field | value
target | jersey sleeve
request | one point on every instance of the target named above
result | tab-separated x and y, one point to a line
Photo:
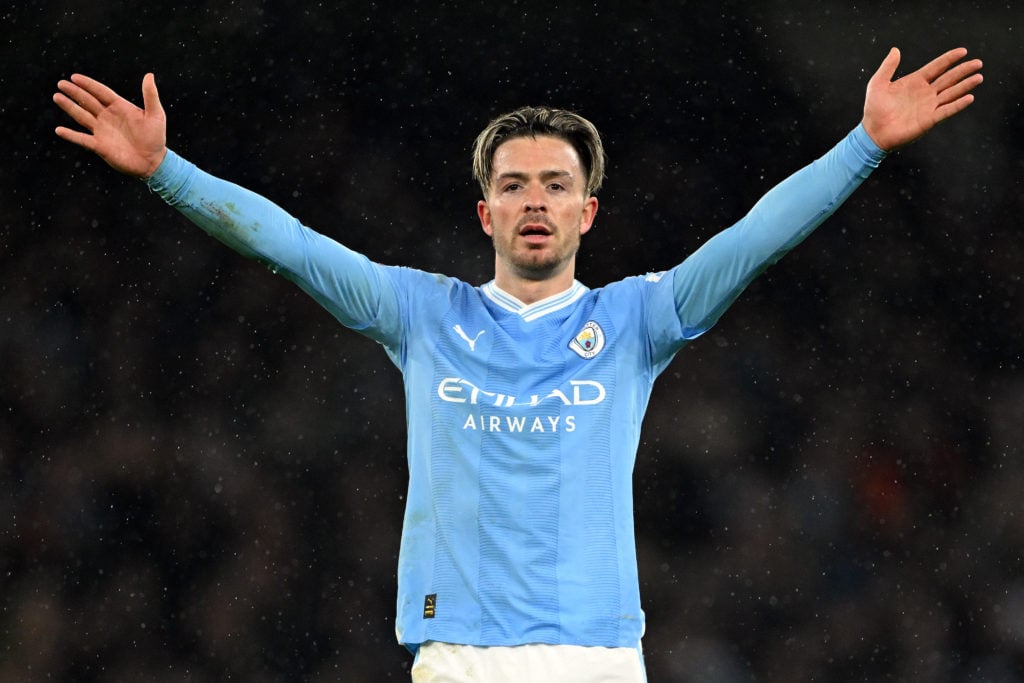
356	291
707	282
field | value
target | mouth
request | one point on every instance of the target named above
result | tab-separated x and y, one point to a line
528	230
535	232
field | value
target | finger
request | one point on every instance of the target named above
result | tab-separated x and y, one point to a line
955	107
80	97
940	64
102	93
957	74
72	109
150	96
960	89
888	66
77	137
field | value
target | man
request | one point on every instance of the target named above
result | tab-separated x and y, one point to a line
524	395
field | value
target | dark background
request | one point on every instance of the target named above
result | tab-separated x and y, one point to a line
203	473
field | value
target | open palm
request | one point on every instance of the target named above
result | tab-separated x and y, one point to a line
130	139
898	112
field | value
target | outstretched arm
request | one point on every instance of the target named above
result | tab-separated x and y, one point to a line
132	140
895	113
898	112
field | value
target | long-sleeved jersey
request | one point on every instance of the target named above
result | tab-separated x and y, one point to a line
523	420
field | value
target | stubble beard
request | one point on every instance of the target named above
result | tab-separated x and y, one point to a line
536	264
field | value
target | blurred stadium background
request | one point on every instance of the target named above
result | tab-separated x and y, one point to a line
203	474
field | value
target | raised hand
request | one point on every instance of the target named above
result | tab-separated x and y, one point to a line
132	140
898	112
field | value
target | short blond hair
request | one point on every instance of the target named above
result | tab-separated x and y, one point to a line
534	121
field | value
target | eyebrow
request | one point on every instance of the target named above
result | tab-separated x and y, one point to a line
544	175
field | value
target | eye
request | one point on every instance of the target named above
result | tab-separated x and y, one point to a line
557	187
511	187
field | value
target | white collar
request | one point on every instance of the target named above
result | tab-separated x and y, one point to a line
531	312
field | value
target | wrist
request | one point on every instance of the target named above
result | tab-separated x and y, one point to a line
154	164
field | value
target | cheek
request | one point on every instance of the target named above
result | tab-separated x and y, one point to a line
498	224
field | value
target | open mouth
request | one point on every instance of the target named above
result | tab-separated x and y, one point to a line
535	228
535	234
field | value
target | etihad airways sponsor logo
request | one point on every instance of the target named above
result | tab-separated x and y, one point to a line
580	392
519	424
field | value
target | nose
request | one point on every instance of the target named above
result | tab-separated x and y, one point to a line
535	201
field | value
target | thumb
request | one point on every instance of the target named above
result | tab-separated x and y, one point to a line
888	67
150	96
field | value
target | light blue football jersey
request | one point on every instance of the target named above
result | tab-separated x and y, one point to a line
523	420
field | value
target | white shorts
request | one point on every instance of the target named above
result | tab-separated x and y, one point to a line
445	663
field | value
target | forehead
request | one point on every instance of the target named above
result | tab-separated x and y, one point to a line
534	154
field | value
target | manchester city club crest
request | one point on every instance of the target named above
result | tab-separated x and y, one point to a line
589	342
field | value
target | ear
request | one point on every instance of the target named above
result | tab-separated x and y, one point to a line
484	212
589	213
